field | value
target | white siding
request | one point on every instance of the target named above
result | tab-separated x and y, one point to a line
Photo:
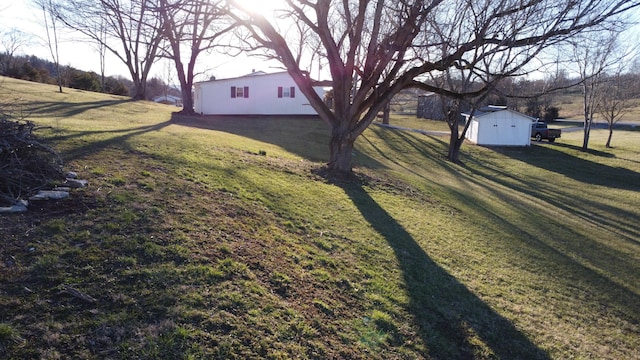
472	131
214	97
502	128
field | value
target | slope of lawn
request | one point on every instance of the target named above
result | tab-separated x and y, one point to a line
221	238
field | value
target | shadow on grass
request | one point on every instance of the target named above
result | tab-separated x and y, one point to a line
616	218
68	109
622	221
577	168
596	266
594	152
97	146
598	262
449	316
432	153
304	135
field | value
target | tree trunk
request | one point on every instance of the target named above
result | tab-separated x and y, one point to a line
386	112
139	94
186	82
608	145
140	88
59	77
455	137
455	143
341	151
587	132
187	100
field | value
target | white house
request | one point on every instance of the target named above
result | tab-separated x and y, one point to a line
258	93
497	125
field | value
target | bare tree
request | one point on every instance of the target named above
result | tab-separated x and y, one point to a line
102	52
474	75
613	101
591	58
133	32
191	27
50	18
374	49
12	40
168	77
595	56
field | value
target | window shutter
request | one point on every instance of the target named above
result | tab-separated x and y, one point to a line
279	91
233	91
246	91
293	92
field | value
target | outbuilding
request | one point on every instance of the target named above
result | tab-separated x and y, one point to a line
499	126
168	99
258	93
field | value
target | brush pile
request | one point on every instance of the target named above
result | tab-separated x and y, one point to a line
26	164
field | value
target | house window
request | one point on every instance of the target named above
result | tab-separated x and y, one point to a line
286	91
239	91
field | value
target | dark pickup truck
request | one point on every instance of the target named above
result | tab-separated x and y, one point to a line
539	131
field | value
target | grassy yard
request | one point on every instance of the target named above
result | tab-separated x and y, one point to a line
412	122
219	238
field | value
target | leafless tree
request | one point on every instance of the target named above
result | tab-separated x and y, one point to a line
473	75
12	40
50	18
613	101
133	32
191	27
168	77
593	54
374	49
102	52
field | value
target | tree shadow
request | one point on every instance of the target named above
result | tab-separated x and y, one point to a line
304	135
622	222
448	315
97	146
67	109
577	168
594	263
544	157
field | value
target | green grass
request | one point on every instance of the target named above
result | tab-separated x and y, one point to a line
412	122
198	245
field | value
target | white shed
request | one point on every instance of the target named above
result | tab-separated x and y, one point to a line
499	126
258	93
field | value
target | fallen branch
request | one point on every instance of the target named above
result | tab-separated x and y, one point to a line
78	294
26	164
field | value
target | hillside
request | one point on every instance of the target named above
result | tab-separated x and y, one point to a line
220	238
571	107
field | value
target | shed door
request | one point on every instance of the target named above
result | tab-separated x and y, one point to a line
504	131
509	131
492	135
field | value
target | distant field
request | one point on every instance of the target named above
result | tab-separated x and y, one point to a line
571	107
220	238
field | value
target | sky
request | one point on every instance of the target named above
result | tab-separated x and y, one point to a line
21	15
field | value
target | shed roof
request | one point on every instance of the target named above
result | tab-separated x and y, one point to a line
487	110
